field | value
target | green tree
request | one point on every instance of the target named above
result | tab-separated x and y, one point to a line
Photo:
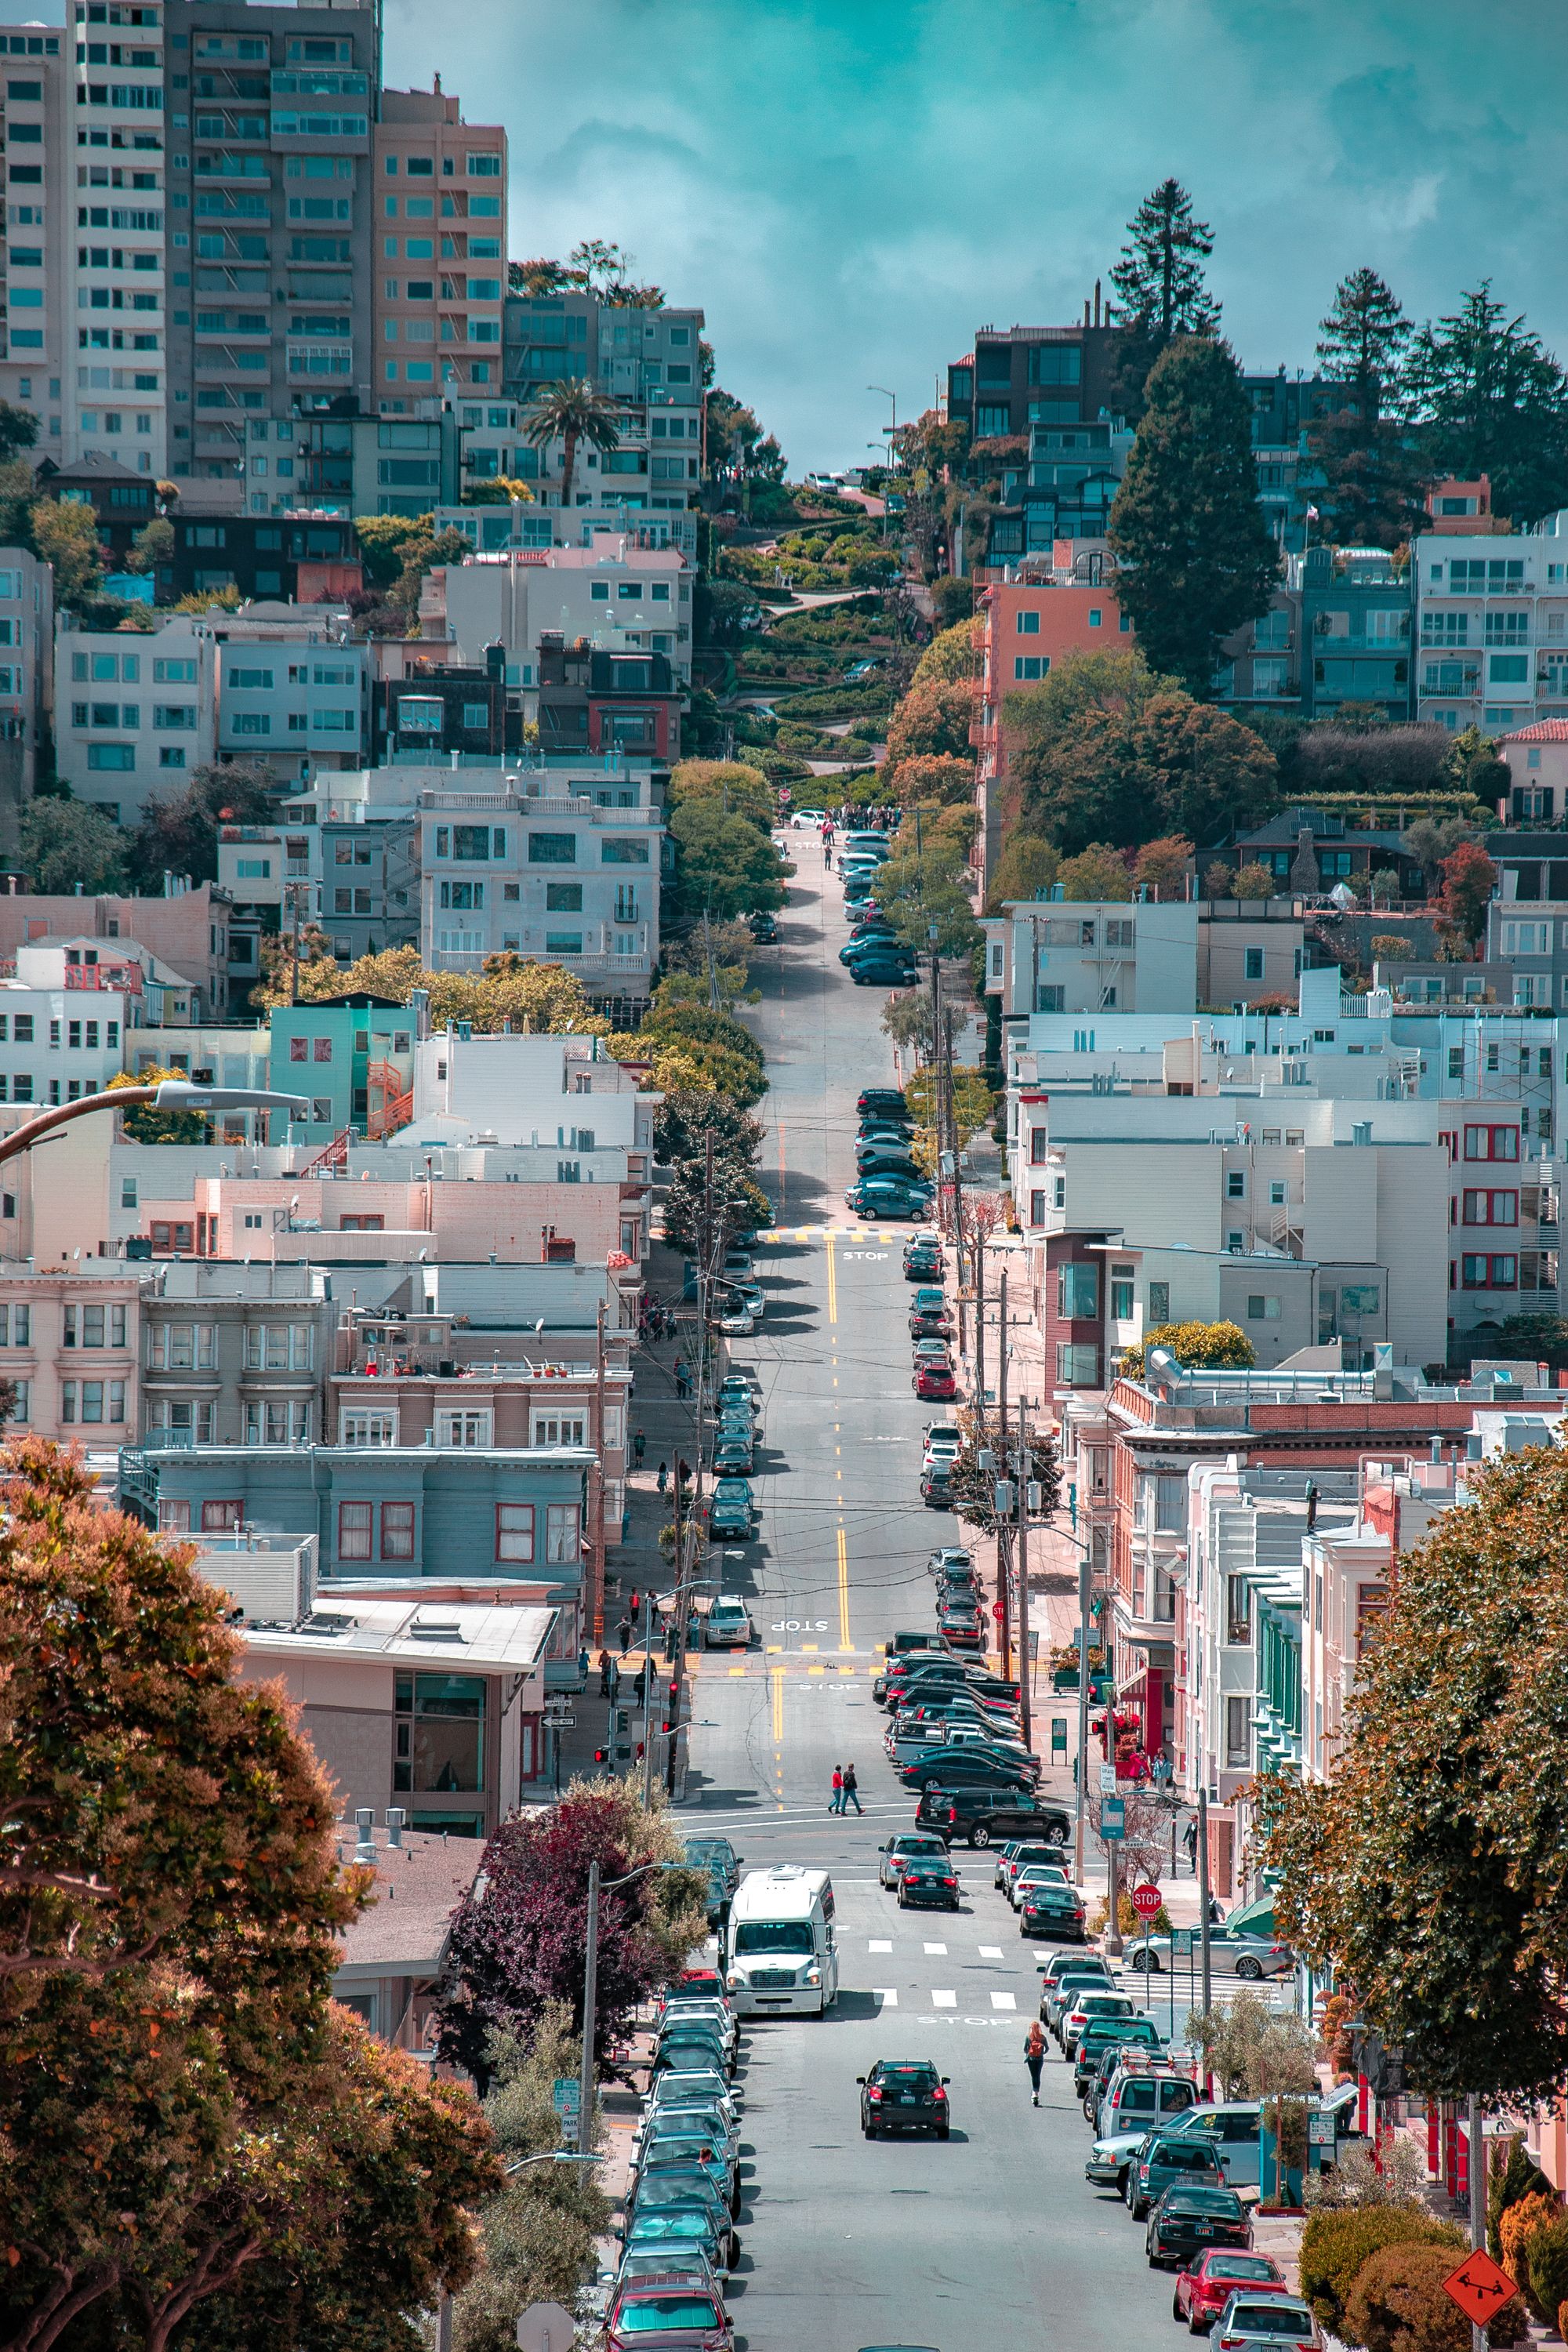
18	431
725	864
66	536
942	780
178	831
1124	769
1488	398
1198	557
954	655
1026	868
1163	867
1160	280
926	888
729	785
67	841
572	412
951	600
1096	872
1197	1346
421	555
384	543
1433	1863
1373	492
933	722
153	545
145	1123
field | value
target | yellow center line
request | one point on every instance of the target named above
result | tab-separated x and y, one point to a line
776	1677
843	1640
832	1283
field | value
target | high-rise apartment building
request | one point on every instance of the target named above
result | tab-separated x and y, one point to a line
441	248
648	361
270	115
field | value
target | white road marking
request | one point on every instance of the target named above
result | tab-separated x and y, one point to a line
1003	2000
875	1947
886	1995
990	1951
936	1951
944	2000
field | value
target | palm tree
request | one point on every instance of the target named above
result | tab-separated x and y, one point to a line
572	411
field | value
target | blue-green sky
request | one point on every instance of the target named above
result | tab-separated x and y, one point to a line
848	187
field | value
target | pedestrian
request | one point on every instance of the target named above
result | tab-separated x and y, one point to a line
632	1604
836	1803
683	1472
624	1634
1035	2056
639	1447
662	1481
606	1662
851	1791
583	1665
614	1682
1190	1840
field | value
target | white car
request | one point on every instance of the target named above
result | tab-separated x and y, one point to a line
738	1323
813	818
728	1624
942	1444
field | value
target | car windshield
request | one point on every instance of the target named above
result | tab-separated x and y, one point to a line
1239	2266
658	2314
1213	2204
781	1936
690	2224
1275	2317
1105	2004
731	1490
933	1846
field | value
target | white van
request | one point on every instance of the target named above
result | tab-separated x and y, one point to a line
778	1953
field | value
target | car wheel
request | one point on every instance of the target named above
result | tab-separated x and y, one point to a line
1176	2311
1249	1967
734	2250
1196	2326
1056	1834
980	1835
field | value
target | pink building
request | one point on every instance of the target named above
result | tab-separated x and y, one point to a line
69	1345
189	932
283	1218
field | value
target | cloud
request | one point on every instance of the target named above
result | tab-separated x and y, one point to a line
848	187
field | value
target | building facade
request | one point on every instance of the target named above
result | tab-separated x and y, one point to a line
1492	617
441	230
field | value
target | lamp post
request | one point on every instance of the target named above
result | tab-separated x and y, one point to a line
170	1093
597	1886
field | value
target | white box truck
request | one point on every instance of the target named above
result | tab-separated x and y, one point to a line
779	1951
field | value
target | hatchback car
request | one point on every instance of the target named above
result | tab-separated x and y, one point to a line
729	1512
892	1858
1050	1910
880	1197
1187	2221
935	1384
1206	2286
1252	2323
903	2095
656	2311
881	1098
882	973
1171	2159
928	1886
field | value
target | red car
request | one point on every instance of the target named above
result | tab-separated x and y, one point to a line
701	1981
653	2311
936	1383
1202	2291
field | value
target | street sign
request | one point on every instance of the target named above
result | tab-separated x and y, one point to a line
1181	1942
1108	1779
545	2327
1112	1819
1479	2287
1058	1735
1146	1901
566	2097
1322	2128
998	1610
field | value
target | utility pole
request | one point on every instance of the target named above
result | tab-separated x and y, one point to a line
648	1683
1478	2173
686	1552
599	1514
1203	1891
979	1330
1085	1579
1025	1464
590	2007
1004	1531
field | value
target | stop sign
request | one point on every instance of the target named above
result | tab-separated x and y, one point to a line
1146	1901
997	1612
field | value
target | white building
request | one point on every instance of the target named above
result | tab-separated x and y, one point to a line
64	1016
617	594
294	688
1492	621
26	654
135	711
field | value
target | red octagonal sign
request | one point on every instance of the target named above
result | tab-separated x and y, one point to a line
1146	1901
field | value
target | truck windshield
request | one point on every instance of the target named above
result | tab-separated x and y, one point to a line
787	1936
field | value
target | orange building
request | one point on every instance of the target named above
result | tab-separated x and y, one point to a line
1027	625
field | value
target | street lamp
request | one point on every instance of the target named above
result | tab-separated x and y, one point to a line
591	1976
170	1093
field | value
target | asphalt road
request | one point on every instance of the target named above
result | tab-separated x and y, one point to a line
993	2239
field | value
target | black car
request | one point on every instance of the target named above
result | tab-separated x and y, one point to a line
1187	2221
941	1679
1051	1910
903	2095
881	1098
986	1816
926	1267
764	930
928	1887
882	973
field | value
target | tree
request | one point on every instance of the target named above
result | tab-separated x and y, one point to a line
1161	283
1177	765
974	1103
1198	559
919	890
1254	880
940	780
1469	878
933	722
384	543
739	1206
1488	398
729	784
538	2233
1026	868
1165	866
1433	840
1096	872
1197	1346
1543	1337
951	600
688	1116
144	1123
725	863
953	655
1433	1864
153	545
178	831
1373	480
18	431
66	536
518	1948
543	998
572	412
421	553
67	841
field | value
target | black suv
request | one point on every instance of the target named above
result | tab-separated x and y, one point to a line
986	1816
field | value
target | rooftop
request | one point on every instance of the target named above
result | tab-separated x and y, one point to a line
411	1632
416	1886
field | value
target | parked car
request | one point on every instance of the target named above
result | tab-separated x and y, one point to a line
728	1624
1172	2160
980	1816
1049	1910
899	1851
928	1887
655	2310
934	1385
729	1512
1251	2322
1206	2286
1187	2220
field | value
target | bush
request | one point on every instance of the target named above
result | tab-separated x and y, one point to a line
1334	2246
1546	2265
1516	2177
1518	2226
1398	2305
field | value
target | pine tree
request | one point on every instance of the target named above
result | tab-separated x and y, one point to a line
1488	398
1198	557
1372	477
1160	280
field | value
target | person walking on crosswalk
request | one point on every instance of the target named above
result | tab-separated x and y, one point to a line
851	1791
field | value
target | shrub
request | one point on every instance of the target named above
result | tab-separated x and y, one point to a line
1398	2305
1514	2177
1390	948
1334	2246
1519	2226
1546	2264
1254	881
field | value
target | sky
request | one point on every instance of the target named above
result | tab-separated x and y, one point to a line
847	188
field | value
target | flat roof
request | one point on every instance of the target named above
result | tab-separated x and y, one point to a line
494	1638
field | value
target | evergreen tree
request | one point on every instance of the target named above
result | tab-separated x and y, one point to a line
1488	398
1160	280
1198	558
1372	477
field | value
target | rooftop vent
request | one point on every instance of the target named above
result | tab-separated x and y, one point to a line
436	1629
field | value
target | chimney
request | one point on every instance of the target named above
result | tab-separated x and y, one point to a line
364	1847
1097	302
1086	309
396	1817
